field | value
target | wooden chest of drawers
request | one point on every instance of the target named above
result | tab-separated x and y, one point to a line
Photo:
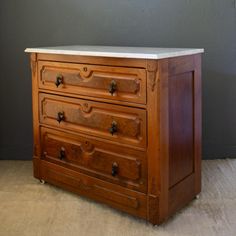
123	129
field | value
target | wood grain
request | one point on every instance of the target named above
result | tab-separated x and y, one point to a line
114	195
35	104
107	61
181	110
93	157
94	80
95	118
137	148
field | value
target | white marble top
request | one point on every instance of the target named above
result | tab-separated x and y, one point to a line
121	52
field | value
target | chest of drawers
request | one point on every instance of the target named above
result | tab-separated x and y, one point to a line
119	125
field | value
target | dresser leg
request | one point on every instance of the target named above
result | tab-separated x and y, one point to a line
42	181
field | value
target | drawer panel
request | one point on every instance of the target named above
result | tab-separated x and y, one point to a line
103	160
121	198
121	124
119	83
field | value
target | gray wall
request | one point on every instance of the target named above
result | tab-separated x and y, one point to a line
210	24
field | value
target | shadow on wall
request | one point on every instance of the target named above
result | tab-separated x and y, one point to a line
219	125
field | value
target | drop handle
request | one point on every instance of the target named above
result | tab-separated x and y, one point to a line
114	169
59	80
113	129
60	117
112	87
62	153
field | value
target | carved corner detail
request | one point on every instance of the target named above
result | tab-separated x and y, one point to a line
153	79
152	69
33	61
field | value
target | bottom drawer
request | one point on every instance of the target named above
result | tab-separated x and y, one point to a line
118	197
124	166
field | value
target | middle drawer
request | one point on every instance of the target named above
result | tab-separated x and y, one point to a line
121	124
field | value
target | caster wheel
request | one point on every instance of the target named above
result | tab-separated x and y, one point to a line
42	181
197	196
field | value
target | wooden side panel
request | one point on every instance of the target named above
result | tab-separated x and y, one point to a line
185	130
174	136
181	130
118	197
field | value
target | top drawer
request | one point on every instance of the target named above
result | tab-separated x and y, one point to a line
116	83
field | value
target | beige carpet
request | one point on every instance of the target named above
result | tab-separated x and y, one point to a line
29	208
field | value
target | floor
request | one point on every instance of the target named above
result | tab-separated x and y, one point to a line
30	208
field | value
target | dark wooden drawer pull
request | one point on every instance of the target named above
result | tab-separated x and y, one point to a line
60	117
62	154
112	87
59	80
113	129
114	169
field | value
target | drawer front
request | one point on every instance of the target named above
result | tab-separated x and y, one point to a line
114	195
121	124
103	160
116	83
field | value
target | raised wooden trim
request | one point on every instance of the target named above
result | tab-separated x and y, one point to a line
91	98
163	66
118	197
36	134
124	62
153	140
180	65
121	145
